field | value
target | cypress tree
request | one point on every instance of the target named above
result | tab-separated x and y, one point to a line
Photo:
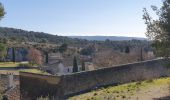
13	54
83	66
75	66
46	57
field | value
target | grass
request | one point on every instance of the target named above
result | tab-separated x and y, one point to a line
33	71
16	72
121	92
9	64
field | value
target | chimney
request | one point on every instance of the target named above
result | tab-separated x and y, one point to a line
10	83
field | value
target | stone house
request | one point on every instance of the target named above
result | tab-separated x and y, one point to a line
59	65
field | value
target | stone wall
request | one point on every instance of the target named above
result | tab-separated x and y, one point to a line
58	87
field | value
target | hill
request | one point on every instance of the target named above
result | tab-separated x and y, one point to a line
19	35
31	36
103	38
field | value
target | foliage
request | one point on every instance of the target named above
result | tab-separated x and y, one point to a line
75	65
2	51
35	56
46	57
20	35
127	49
63	48
158	29
2	11
89	50
13	54
83	66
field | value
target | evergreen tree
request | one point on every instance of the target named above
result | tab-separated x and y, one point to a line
46	57
63	48
127	49
83	66
13	54
75	66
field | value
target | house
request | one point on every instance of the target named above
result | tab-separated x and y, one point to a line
59	65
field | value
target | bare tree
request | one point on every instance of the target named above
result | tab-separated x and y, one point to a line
35	56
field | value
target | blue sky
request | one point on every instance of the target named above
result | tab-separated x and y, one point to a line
78	17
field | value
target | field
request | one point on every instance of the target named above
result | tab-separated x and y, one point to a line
9	64
16	72
145	90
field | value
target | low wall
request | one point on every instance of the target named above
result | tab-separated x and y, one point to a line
58	87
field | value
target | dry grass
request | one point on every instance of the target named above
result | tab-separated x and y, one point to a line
16	72
9	64
146	90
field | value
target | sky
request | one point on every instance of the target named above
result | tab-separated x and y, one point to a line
78	17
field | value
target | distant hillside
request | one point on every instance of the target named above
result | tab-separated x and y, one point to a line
103	38
31	36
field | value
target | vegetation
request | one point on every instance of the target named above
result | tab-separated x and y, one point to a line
128	91
36	71
75	65
2	51
16	72
42	98
2	11
35	56
13	54
127	49
83	66
9	64
63	48
158	29
89	50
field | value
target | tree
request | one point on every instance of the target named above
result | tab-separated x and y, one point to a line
127	49
158	30
75	66
2	51
89	50
83	66
13	54
46	57
63	48
2	11
35	56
